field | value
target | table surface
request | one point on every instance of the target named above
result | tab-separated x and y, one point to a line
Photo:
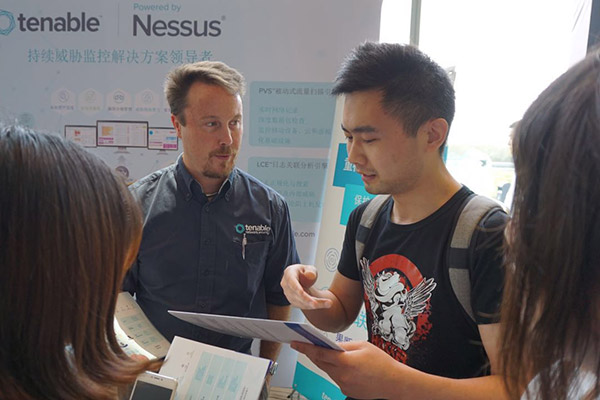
279	393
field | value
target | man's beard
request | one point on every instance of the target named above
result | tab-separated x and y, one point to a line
213	173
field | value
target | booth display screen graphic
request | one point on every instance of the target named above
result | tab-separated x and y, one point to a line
122	133
85	135
163	139
72	64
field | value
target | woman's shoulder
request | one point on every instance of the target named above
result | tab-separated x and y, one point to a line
582	384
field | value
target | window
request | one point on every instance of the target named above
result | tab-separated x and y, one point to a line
503	54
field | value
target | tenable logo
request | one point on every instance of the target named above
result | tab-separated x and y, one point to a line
68	23
7	22
239	228
253	229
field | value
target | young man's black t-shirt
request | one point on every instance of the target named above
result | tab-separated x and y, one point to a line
412	312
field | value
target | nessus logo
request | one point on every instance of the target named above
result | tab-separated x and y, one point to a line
69	23
253	229
175	27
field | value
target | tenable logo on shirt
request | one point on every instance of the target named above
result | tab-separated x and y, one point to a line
253	229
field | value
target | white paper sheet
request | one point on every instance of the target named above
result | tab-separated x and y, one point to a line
265	329
135	332
205	372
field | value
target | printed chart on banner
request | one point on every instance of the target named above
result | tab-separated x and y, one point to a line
206	372
85	135
122	133
162	139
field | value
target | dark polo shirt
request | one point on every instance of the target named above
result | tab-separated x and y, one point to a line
225	256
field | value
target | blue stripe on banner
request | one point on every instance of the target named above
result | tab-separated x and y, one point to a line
303	332
315	387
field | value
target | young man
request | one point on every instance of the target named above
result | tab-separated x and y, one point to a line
215	240
398	108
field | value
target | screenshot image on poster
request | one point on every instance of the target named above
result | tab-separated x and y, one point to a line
162	139
122	133
85	135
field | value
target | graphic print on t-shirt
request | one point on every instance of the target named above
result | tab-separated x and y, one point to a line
397	303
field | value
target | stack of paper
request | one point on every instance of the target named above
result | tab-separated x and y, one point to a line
205	372
135	332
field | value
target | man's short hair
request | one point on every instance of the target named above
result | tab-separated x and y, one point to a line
180	79
415	89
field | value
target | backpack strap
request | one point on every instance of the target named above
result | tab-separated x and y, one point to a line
474	209
366	222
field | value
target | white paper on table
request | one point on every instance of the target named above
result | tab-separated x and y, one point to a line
135	332
265	329
206	372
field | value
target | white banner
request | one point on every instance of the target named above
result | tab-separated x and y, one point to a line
68	65
343	192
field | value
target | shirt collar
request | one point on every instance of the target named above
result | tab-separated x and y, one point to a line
189	182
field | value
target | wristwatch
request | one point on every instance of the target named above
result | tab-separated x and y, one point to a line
273	367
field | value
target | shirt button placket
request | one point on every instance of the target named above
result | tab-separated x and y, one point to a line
206	259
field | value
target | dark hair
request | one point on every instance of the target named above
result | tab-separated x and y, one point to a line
552	291
415	89
68	229
181	78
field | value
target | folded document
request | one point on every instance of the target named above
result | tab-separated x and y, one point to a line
134	332
265	329
205	372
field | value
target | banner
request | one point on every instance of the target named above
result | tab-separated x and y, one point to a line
344	191
94	72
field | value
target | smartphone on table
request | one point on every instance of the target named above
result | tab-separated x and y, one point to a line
151	386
